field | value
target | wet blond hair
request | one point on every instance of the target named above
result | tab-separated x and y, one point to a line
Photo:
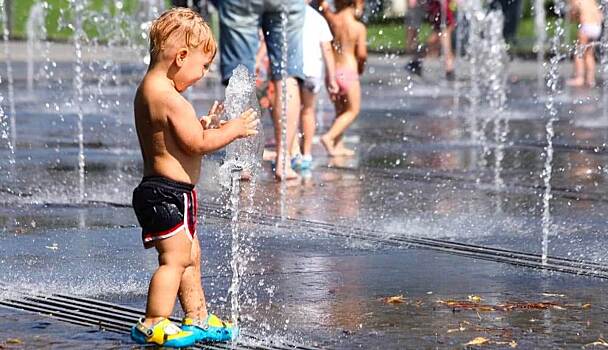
181	25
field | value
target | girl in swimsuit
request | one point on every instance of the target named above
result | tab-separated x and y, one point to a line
350	54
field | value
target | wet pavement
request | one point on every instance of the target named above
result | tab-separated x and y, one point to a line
419	173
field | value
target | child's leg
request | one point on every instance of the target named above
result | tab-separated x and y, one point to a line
309	103
446	48
589	67
173	259
191	293
352	105
579	65
293	110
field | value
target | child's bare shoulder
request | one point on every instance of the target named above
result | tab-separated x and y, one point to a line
163	101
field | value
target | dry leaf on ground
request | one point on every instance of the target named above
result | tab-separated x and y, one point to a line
13	341
397	299
478	341
475	298
599	342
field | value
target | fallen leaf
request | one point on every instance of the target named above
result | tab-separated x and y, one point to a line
586	306
478	341
475	298
599	342
557	307
553	295
13	341
397	299
512	343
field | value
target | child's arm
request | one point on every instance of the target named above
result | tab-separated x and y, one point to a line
326	11
361	49
330	67
193	139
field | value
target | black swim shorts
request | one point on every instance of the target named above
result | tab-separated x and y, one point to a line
164	207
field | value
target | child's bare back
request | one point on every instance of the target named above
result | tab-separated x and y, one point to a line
586	11
349	44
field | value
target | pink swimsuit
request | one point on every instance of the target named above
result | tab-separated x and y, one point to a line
345	77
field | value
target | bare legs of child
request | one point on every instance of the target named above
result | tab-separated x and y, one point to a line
347	110
293	112
178	271
584	64
307	116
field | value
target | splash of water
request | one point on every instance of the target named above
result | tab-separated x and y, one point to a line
242	156
604	62
540	28
284	147
36	32
236	262
551	109
245	153
497	96
78	38
10	80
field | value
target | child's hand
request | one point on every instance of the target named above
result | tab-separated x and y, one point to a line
332	87
246	125
212	120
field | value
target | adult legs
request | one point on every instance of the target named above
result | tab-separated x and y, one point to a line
292	101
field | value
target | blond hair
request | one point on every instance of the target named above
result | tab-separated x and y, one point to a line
183	25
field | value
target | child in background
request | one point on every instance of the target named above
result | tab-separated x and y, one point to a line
316	40
173	141
350	53
589	17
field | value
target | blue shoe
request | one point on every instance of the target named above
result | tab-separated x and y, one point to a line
211	330
306	162
296	162
164	333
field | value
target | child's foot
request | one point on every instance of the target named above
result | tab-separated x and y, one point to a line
591	83
450	75
328	143
290	174
163	332
415	66
210	330
575	82
343	151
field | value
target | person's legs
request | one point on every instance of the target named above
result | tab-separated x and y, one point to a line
309	103
352	104
293	106
191	293
274	31
579	65
173	259
589	67
446	48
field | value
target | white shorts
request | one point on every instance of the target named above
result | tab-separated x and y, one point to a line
591	30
